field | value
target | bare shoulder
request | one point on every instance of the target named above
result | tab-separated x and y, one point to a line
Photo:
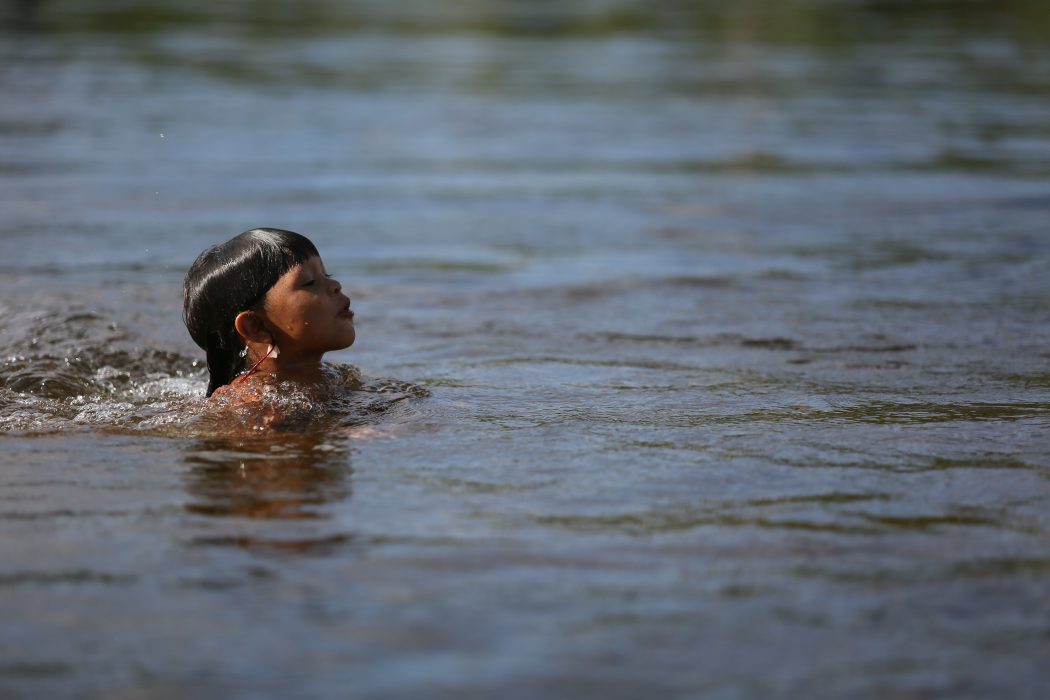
252	404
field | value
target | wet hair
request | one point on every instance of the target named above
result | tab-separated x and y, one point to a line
230	278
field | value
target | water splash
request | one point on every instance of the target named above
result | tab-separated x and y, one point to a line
82	370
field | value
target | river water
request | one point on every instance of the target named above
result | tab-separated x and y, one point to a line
705	351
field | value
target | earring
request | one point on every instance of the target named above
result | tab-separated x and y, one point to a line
244	351
275	350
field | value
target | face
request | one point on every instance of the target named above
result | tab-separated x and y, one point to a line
308	313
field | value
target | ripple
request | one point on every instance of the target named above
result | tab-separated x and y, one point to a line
53	578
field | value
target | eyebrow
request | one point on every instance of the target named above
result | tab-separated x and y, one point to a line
305	276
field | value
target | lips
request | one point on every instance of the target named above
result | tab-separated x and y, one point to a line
345	312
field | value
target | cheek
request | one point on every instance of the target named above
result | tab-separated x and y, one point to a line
292	320
308	320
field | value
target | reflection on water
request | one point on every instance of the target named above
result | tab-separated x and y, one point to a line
799	21
269	477
284	477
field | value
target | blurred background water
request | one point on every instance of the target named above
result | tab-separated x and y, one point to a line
734	319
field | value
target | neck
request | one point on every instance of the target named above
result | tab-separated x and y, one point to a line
297	369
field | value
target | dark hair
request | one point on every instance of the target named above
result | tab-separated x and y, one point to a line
230	278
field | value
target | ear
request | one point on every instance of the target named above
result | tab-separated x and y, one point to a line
250	327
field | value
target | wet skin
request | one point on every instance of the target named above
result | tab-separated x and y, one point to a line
305	314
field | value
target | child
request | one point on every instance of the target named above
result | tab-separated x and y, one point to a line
263	308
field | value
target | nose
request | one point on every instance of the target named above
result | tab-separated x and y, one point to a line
336	287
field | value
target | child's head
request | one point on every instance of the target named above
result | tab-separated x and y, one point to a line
226	300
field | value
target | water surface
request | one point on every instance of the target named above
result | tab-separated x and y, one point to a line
733	325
